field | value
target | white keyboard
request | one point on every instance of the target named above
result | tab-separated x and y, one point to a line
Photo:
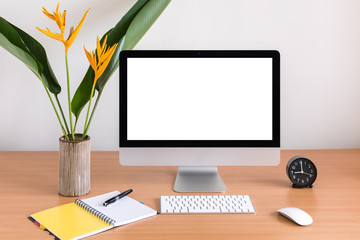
206	204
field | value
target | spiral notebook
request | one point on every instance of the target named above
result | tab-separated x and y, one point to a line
86	217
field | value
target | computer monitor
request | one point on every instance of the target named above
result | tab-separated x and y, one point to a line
199	110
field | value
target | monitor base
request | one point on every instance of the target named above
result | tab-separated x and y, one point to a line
198	179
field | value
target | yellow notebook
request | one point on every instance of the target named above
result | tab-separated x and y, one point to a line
87	217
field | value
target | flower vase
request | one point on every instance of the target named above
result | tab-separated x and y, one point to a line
74	166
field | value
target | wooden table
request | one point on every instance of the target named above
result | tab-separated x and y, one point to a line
29	182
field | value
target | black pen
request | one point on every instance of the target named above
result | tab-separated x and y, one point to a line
114	199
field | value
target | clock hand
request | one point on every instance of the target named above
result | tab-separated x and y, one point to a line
301	166
303	173
307	174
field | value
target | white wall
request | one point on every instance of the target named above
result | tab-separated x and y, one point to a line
319	41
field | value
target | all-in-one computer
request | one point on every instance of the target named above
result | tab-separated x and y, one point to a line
199	110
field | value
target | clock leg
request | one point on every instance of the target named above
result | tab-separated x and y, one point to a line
294	186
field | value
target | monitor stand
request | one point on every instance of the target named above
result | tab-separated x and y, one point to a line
198	179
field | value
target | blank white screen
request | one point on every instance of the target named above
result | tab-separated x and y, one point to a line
199	98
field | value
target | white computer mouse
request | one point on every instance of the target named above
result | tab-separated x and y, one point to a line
296	215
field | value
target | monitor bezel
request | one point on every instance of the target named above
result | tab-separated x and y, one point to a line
274	54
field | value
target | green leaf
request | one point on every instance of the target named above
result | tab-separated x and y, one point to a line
30	52
79	100
20	54
143	21
127	33
40	54
83	92
11	41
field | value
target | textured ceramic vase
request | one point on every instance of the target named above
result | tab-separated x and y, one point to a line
74	166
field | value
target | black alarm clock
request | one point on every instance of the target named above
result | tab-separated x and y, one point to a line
301	171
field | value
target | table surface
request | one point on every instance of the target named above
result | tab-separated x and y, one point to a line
29	183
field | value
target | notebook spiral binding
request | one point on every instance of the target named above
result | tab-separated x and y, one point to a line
95	212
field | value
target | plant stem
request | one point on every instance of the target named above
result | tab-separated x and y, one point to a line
68	91
62	113
56	112
87	114
92	114
76	120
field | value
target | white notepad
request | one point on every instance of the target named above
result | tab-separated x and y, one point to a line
123	211
86	217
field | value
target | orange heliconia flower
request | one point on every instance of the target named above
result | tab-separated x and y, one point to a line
100	57
60	21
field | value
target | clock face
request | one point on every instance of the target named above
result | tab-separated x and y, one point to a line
302	172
